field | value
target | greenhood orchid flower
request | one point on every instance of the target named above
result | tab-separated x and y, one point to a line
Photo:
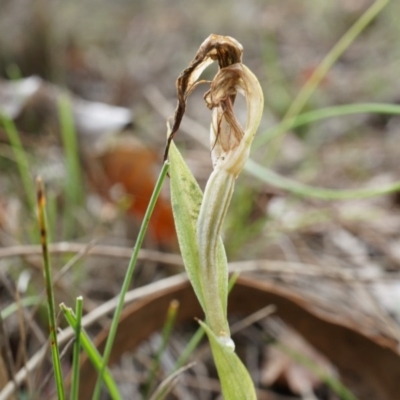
230	147
230	142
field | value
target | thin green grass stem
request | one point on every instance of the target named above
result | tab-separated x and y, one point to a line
74	395
168	384
324	113
52	214
300	189
190	348
74	188
92	353
337	387
21	159
325	65
165	335
55	352
232	280
13	307
128	278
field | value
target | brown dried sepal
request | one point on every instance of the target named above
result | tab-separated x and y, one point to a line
222	96
223	49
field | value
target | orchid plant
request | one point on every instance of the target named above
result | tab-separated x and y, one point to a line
199	218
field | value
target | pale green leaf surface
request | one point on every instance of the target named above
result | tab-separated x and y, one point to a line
223	277
235	381
186	198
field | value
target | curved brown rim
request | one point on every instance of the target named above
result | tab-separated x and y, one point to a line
376	360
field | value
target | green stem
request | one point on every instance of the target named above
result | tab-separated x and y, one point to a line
13	307
74	187
326	64
214	281
128	278
77	349
166	334
49	290
324	113
332	382
92	353
268	176
21	159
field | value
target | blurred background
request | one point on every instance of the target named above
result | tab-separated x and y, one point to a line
85	92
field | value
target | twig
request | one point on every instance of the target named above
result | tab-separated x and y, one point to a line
96	250
253	318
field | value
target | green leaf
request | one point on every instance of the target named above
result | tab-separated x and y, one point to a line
236	382
186	198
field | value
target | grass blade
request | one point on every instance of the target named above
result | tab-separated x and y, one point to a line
166	333
324	113
128	278
74	188
21	159
92	353
303	190
268	176
55	352
77	349
25	302
337	387
190	348
329	60
168	384
326	64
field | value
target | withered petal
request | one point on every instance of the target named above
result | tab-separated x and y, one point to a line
223	49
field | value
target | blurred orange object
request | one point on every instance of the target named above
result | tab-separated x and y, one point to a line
126	171
307	72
